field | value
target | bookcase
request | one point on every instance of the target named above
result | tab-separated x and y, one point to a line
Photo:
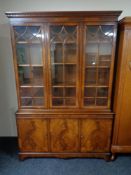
64	65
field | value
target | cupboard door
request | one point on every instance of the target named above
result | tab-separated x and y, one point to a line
64	65
32	135
95	135
64	135
30	63
98	62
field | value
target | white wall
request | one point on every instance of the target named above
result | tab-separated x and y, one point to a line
8	99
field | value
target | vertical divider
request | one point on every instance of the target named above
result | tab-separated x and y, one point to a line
31	72
82	62
97	69
47	64
63	68
78	66
44	65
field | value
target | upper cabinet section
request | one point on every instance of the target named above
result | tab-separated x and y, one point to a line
64	59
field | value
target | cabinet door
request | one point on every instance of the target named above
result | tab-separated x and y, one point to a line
96	135
30	65
32	135
64	135
64	65
98	65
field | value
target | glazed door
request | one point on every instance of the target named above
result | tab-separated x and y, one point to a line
98	65
64	62
30	65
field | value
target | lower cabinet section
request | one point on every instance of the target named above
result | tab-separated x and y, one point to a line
52	135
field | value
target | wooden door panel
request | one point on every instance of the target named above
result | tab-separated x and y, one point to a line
95	135
64	135
32	135
124	136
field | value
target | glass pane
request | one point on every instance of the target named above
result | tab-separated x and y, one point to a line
26	102
70	92
37	78
58	102
105	60
90	92
102	92
101	102
27	33
103	76
70	53
36	54
70	74
22	54
57	75
38	102
91	59
29	54
24	75
70	102
57	53
26	92
90	76
89	101
58	92
37	92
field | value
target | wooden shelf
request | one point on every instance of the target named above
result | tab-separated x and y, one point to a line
30	65
63	97
96	86
99	42
102	67
28	42
33	86
33	97
96	97
64	63
71	42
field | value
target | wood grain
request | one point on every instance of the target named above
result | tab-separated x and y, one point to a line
95	135
64	135
32	135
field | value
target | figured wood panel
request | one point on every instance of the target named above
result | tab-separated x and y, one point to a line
95	135
124	136
32	135
64	135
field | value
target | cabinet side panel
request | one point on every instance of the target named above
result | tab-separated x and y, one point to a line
124	136
120	77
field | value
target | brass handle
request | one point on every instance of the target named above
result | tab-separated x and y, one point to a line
130	65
